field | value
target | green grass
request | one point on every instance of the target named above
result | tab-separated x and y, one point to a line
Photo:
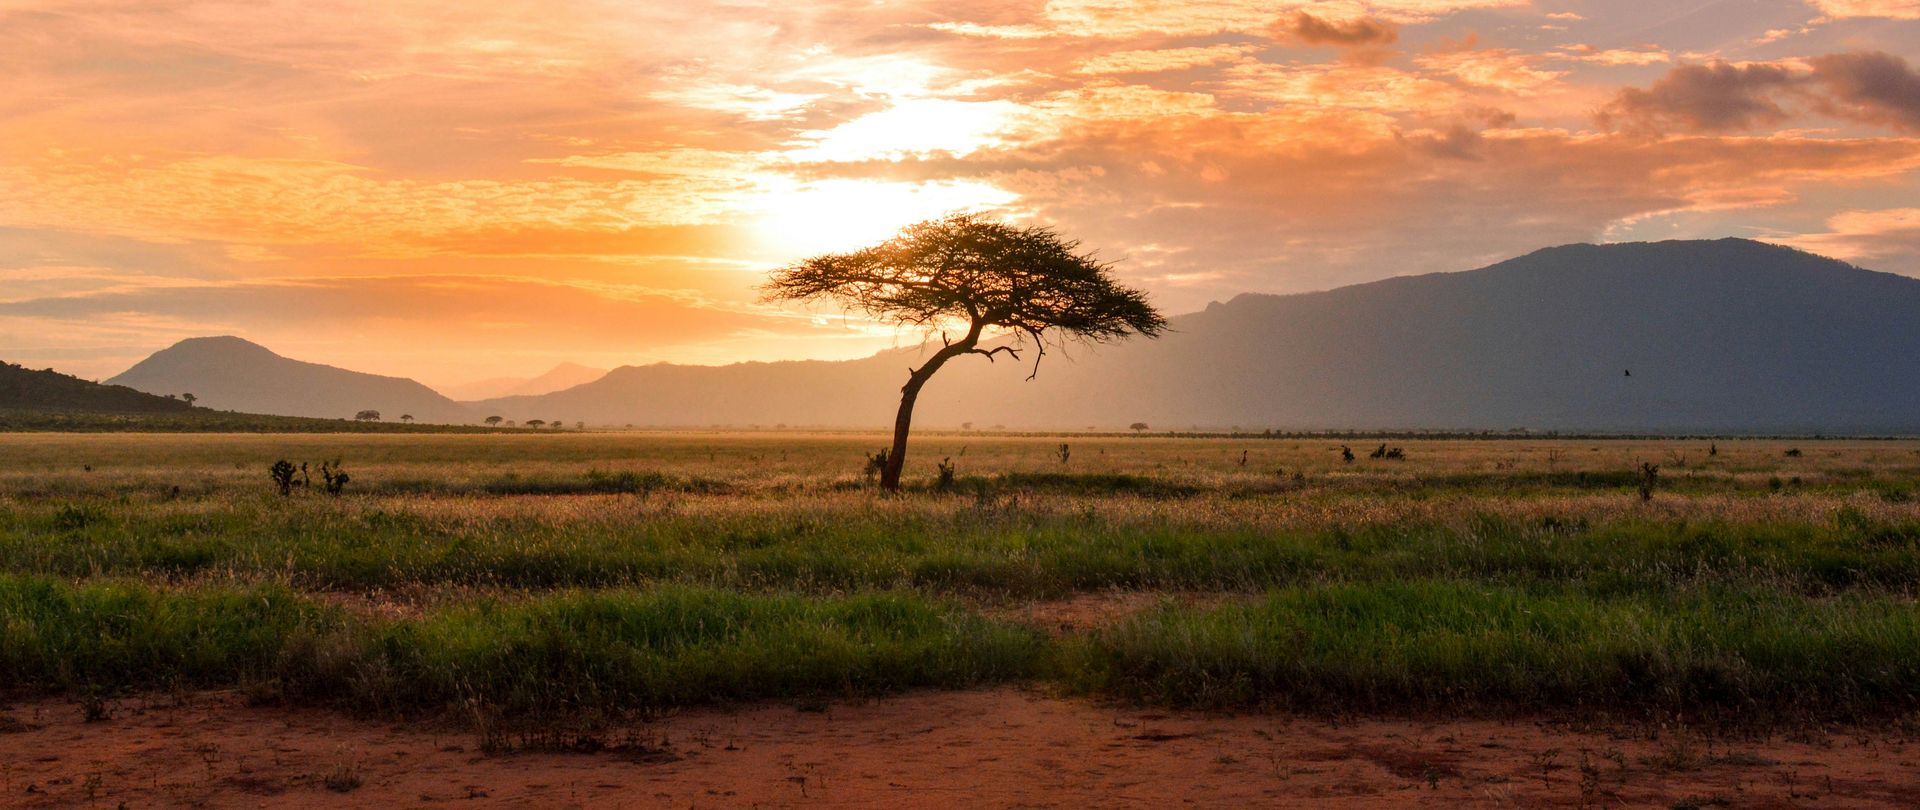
951	546
1435	645
668	647
1419	646
583	572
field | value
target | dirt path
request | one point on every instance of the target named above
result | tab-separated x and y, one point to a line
1001	748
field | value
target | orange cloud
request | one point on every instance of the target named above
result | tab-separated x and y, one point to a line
1868	86
1357	32
1890	9
1876	236
166	163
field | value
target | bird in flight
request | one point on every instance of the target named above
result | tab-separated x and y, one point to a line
1629	372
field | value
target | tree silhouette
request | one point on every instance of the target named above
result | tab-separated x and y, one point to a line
1028	284
536	424
367	416
406	417
493	421
190	399
1137	427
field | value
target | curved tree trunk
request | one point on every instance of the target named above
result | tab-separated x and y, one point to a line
903	421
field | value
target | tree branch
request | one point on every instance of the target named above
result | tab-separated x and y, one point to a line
989	353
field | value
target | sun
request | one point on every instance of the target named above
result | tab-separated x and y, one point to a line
803	218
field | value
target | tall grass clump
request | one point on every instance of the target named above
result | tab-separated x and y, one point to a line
570	650
1453	646
56	636
680	646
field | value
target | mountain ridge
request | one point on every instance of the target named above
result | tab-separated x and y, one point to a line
1546	340
231	373
1727	335
562	376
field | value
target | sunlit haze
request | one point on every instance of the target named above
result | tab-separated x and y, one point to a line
461	191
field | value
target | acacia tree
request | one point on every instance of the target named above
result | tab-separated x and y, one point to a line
1031	287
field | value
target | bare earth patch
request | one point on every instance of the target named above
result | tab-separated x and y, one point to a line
998	748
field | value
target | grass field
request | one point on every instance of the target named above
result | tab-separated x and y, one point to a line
1763	580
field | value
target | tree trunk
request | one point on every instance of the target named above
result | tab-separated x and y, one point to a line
902	422
897	457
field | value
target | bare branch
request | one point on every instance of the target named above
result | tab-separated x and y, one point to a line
989	353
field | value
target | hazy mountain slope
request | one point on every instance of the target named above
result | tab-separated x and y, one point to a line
1721	335
228	373
27	390
560	377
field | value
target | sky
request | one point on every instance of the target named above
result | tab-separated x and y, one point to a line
461	191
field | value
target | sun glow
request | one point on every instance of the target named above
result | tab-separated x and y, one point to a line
798	219
910	129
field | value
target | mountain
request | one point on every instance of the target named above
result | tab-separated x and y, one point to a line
563	376
24	389
1725	335
228	373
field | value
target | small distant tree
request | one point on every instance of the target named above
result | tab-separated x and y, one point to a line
1137	427
494	421
407	418
579	426
1027	284
189	399
536	424
557	424
367	416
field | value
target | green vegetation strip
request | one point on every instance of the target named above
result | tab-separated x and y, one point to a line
795	546
570	650
1436	646
1423	645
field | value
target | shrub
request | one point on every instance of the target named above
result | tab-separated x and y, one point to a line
335	478
282	472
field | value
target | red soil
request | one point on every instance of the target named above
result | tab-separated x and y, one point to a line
1000	748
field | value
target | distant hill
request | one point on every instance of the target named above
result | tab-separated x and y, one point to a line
23	389
560	377
1726	335
228	373
50	401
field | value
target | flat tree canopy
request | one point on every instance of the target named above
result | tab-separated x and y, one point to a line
1024	282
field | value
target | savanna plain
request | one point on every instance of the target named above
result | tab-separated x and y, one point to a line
742	619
